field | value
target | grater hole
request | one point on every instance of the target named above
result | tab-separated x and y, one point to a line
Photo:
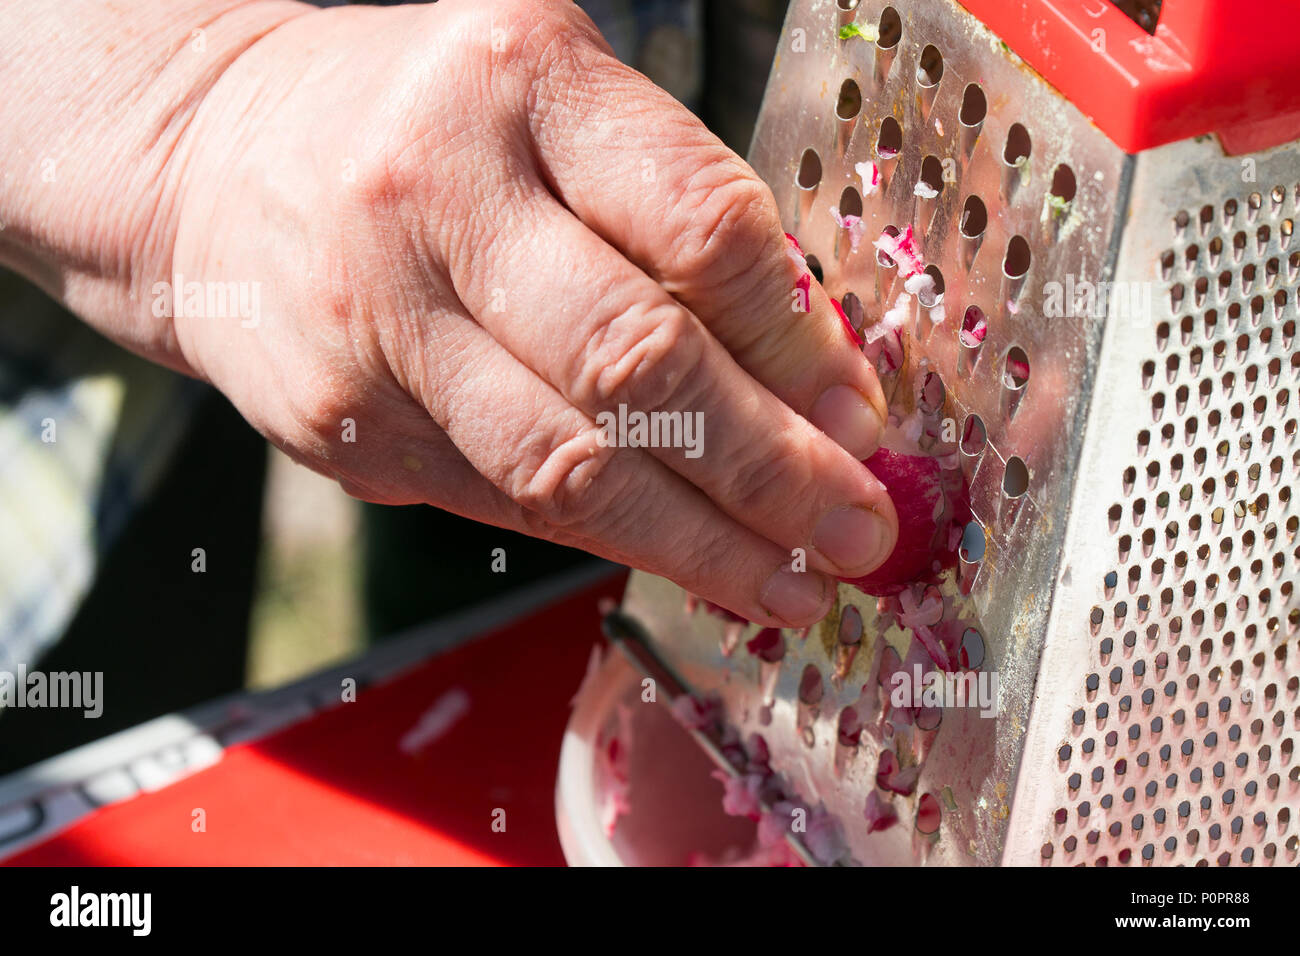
975	218
931	181
974	106
1016	370
1229	212
931	295
889	143
890	29
973	543
1064	185
931	394
1015	478
849	104
1167	264
929	814
810	686
974	328
853	311
847	5
850	202
849	729
850	631
1199	287
971	654
1018	146
815	267
810	170
974	436
929	70
881	257
1018	258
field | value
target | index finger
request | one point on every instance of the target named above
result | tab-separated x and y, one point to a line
646	175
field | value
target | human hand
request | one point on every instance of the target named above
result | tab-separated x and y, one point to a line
472	231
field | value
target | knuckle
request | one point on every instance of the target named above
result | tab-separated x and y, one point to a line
763	483
642	359
319	411
515	33
571	483
730	218
375	181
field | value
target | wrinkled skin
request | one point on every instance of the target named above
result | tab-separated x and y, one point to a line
475	230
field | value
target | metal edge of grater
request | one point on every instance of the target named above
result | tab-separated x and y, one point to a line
1005	787
1168	706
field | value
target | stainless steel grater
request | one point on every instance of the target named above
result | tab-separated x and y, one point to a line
1130	576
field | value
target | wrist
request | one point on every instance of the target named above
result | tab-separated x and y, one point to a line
96	119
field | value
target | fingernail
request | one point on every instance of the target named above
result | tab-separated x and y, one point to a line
797	597
854	539
846	416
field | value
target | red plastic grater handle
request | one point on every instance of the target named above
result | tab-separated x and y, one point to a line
1230	67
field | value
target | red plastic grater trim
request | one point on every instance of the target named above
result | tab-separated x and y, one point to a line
1212	66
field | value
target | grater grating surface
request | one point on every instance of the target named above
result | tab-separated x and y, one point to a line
1170	708
1030	193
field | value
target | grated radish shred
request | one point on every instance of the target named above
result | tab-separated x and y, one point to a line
869	173
854	225
902	249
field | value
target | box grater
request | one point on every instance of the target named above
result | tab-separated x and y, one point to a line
1131	456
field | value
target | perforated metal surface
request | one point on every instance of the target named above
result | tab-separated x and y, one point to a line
1170	701
1060	205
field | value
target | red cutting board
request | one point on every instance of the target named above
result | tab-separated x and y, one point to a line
336	789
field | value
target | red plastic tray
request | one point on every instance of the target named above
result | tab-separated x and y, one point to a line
337	790
1213	66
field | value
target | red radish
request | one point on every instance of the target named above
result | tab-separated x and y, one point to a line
693	601
902	250
697	713
767	645
878	813
927	504
890	776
